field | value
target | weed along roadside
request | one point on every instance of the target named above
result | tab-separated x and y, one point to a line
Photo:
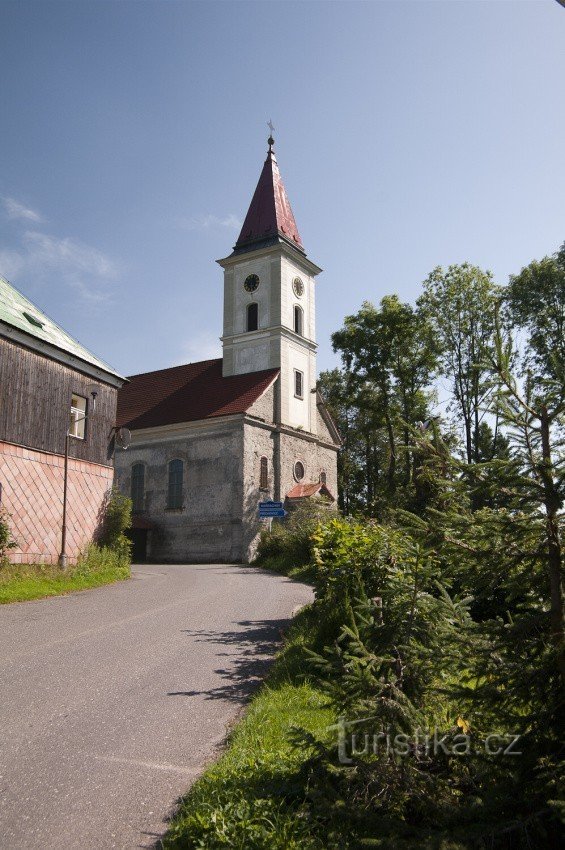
372	728
254	795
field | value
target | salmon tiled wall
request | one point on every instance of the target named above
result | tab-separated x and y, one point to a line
32	492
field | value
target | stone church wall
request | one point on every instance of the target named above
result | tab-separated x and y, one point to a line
262	442
208	528
258	442
222	462
264	407
315	458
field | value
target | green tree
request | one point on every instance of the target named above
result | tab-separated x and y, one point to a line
460	303
536	301
388	356
533	411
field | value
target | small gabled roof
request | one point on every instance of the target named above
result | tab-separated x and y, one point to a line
305	491
270	214
188	393
20	313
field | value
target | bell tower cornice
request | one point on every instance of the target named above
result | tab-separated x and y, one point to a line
274	249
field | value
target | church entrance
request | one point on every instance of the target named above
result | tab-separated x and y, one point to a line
138	537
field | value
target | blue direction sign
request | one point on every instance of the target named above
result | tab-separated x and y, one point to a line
271	509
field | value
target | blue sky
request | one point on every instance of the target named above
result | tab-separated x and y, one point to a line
409	135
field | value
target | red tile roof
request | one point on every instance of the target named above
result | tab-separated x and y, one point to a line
303	491
188	393
270	213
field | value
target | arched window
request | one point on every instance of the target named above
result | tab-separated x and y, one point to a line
252	316
174	495
298	320
138	487
264	474
323	477
298	470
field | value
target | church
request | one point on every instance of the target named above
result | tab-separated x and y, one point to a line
211	440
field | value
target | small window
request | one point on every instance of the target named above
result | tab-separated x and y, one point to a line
252	316
323	477
298	319
298	470
77	428
298	384
138	487
174	498
33	320
264	474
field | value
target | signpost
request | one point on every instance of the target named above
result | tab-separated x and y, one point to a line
268	510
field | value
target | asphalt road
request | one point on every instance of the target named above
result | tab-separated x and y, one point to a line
113	700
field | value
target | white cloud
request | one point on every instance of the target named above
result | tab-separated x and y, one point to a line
67	254
202	346
11	263
42	257
15	210
205	222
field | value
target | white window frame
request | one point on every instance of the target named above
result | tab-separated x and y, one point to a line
79	412
298	376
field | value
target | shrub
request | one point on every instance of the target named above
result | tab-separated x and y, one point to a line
290	542
401	633
117	520
7	542
101	559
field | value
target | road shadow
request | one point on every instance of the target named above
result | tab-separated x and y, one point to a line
254	645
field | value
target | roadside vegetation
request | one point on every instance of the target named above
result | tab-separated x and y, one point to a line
103	563
254	795
418	703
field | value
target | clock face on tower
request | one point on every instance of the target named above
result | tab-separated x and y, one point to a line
298	287
251	283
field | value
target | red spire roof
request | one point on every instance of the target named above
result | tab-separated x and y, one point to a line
270	213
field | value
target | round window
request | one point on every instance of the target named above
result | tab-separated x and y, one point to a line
299	470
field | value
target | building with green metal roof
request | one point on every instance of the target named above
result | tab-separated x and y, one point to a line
22	320
57	417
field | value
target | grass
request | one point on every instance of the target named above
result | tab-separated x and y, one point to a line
98	566
286	566
254	796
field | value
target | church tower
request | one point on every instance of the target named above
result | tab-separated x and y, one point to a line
269	301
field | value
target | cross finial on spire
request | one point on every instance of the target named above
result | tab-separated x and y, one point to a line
270	140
